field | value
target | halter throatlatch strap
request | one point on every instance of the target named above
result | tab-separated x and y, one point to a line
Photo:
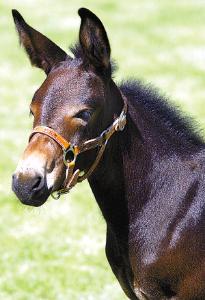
73	177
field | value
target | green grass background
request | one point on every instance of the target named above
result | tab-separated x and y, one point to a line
56	252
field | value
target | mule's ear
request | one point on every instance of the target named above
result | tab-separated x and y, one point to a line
43	53
94	40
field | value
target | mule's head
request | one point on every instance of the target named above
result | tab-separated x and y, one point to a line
74	100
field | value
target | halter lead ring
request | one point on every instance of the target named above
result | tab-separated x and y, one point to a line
70	152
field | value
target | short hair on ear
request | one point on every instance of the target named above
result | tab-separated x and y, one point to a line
94	41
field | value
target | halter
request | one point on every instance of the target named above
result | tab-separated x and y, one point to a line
71	152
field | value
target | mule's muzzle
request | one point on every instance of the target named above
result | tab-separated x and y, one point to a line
30	188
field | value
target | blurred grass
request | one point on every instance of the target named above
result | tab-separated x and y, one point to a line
56	252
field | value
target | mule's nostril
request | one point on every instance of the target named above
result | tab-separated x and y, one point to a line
38	182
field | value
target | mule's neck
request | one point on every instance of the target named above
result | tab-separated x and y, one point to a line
108	182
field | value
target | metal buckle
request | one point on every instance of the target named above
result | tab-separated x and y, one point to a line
56	195
120	122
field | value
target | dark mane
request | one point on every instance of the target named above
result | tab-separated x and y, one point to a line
77	52
161	111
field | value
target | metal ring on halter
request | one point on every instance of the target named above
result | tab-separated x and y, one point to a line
67	160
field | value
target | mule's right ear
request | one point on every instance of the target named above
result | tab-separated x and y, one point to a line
94	41
43	53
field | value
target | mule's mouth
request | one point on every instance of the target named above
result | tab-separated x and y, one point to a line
32	194
34	199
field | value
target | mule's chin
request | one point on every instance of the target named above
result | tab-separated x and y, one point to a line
34	201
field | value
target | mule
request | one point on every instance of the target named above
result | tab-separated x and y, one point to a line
143	160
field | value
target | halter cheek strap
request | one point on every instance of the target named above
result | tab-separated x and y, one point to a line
70	152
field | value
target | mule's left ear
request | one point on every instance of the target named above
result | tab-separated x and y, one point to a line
94	40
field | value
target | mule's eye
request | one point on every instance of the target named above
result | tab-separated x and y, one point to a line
85	115
31	113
